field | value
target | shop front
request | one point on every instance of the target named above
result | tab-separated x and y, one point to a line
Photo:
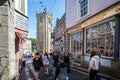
19	40
102	31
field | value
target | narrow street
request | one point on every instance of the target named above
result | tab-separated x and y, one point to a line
27	74
85	32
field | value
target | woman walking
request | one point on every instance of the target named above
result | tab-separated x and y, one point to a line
46	63
94	66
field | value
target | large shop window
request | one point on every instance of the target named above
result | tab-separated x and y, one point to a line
101	36
76	43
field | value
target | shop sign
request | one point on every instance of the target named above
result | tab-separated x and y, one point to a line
105	14
94	19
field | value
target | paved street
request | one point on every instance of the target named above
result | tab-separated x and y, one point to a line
74	75
26	74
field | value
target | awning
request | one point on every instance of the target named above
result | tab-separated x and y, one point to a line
21	31
21	34
20	37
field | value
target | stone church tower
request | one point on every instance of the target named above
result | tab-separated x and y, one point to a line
44	28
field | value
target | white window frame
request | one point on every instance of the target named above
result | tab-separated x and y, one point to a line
79	10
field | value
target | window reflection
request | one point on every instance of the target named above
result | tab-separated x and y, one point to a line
101	36
76	43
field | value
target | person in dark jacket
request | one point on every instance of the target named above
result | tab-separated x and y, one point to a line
67	60
37	63
61	70
55	61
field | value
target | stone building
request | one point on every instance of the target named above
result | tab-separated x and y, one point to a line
13	29
7	40
27	47
21	30
44	28
59	36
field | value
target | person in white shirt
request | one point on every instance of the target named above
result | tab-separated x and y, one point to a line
46	63
94	67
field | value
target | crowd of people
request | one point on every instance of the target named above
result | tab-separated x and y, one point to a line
61	64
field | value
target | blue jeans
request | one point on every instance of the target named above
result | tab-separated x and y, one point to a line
94	75
53	71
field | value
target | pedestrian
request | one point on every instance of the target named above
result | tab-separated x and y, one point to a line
46	63
97	51
94	66
55	61
61	70
67	60
24	60
37	63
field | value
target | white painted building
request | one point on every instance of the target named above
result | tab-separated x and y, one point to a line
27	46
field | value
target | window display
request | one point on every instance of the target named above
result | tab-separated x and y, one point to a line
76	43
101	36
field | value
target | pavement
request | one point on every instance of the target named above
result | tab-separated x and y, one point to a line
77	73
74	75
25	74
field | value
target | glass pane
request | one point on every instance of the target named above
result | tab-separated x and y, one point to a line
101	38
88	41
110	34
83	7
75	41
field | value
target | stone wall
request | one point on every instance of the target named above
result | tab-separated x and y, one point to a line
67	42
7	40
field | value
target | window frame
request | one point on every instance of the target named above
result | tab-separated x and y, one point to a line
98	25
79	9
75	33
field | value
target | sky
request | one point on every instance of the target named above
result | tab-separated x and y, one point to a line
55	7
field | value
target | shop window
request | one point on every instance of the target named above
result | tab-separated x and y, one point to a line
101	36
110	35
76	43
